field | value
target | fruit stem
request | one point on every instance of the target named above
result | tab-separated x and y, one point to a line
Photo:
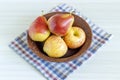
71	12
42	12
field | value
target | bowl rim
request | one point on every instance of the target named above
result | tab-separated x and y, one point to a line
85	47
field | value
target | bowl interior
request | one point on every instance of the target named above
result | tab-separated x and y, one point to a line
37	47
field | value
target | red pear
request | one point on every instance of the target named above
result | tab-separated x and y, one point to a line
39	31
60	24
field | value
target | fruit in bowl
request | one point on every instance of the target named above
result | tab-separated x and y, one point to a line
75	37
55	46
60	24
70	36
38	30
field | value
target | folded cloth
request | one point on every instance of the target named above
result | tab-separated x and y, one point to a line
54	70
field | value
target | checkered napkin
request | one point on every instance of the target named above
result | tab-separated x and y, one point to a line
54	70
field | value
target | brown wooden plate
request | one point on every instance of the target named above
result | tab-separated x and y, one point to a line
37	47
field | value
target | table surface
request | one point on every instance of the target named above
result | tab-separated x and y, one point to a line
17	15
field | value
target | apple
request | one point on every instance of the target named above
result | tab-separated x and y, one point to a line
39	31
59	24
55	46
75	37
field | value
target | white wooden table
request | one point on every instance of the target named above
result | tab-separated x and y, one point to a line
17	15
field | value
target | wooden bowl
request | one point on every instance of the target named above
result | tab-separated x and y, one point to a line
37	47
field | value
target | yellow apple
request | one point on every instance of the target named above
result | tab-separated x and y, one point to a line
75	37
55	46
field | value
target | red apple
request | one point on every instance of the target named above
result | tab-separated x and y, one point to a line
75	37
55	46
59	24
39	31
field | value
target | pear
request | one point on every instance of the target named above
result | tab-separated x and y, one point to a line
59	24
38	30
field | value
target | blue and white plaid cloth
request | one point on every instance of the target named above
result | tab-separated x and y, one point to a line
54	70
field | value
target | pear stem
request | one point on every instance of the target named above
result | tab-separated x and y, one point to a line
42	12
71	12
